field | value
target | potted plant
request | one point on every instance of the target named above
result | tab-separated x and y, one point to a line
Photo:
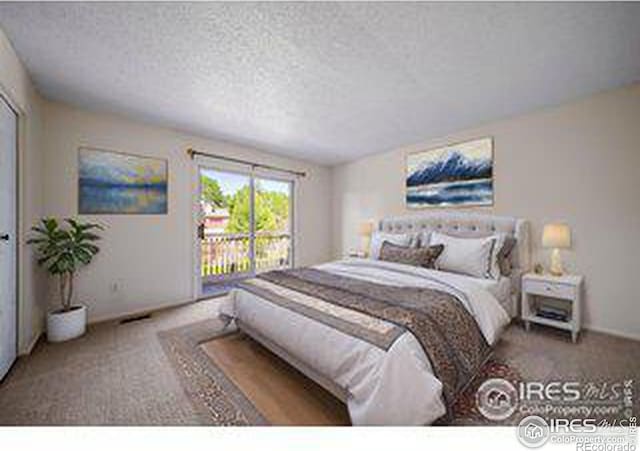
63	250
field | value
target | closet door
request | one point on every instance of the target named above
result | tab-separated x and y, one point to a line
8	249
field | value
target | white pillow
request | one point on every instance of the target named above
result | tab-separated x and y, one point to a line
400	239
472	256
424	238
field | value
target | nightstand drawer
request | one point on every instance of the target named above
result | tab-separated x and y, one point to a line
555	290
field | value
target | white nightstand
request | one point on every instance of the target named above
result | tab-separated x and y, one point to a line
566	290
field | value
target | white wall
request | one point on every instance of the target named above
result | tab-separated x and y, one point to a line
151	256
577	163
16	86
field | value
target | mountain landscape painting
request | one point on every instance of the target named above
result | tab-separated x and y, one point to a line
118	183
455	175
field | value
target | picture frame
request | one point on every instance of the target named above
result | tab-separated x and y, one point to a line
454	175
114	182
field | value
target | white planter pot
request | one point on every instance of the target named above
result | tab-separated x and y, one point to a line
62	326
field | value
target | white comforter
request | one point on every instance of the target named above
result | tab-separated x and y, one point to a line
394	387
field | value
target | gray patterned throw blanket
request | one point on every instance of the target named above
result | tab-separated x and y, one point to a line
445	329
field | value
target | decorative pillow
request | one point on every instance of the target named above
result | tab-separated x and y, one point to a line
424	238
414	256
504	256
471	256
401	239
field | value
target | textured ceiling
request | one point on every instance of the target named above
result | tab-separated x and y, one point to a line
326	82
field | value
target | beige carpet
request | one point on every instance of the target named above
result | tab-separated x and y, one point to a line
115	374
120	375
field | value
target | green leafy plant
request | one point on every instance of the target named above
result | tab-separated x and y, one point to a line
212	193
64	250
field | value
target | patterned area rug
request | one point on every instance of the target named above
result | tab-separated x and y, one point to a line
220	402
518	357
465	411
216	398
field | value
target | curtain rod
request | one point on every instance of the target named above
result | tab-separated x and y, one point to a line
193	152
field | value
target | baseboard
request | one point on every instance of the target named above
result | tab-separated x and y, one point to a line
136	312
599	330
32	344
615	333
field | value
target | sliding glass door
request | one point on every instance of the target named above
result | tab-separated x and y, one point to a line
224	229
272	224
245	224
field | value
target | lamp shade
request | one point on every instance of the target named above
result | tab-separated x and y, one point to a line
365	228
556	236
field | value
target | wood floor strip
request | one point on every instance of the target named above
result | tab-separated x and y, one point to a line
281	393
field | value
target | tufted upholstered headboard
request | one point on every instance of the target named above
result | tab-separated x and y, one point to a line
472	225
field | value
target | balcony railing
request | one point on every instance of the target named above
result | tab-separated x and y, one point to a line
229	254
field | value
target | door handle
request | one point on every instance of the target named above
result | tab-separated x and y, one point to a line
4	237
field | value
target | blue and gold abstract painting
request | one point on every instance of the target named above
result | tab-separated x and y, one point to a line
118	183
455	175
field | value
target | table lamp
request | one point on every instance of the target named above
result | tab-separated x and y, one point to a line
556	237
365	230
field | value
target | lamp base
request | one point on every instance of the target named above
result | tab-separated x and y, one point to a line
556	263
365	243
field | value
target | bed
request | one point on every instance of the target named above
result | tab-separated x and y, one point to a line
378	364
